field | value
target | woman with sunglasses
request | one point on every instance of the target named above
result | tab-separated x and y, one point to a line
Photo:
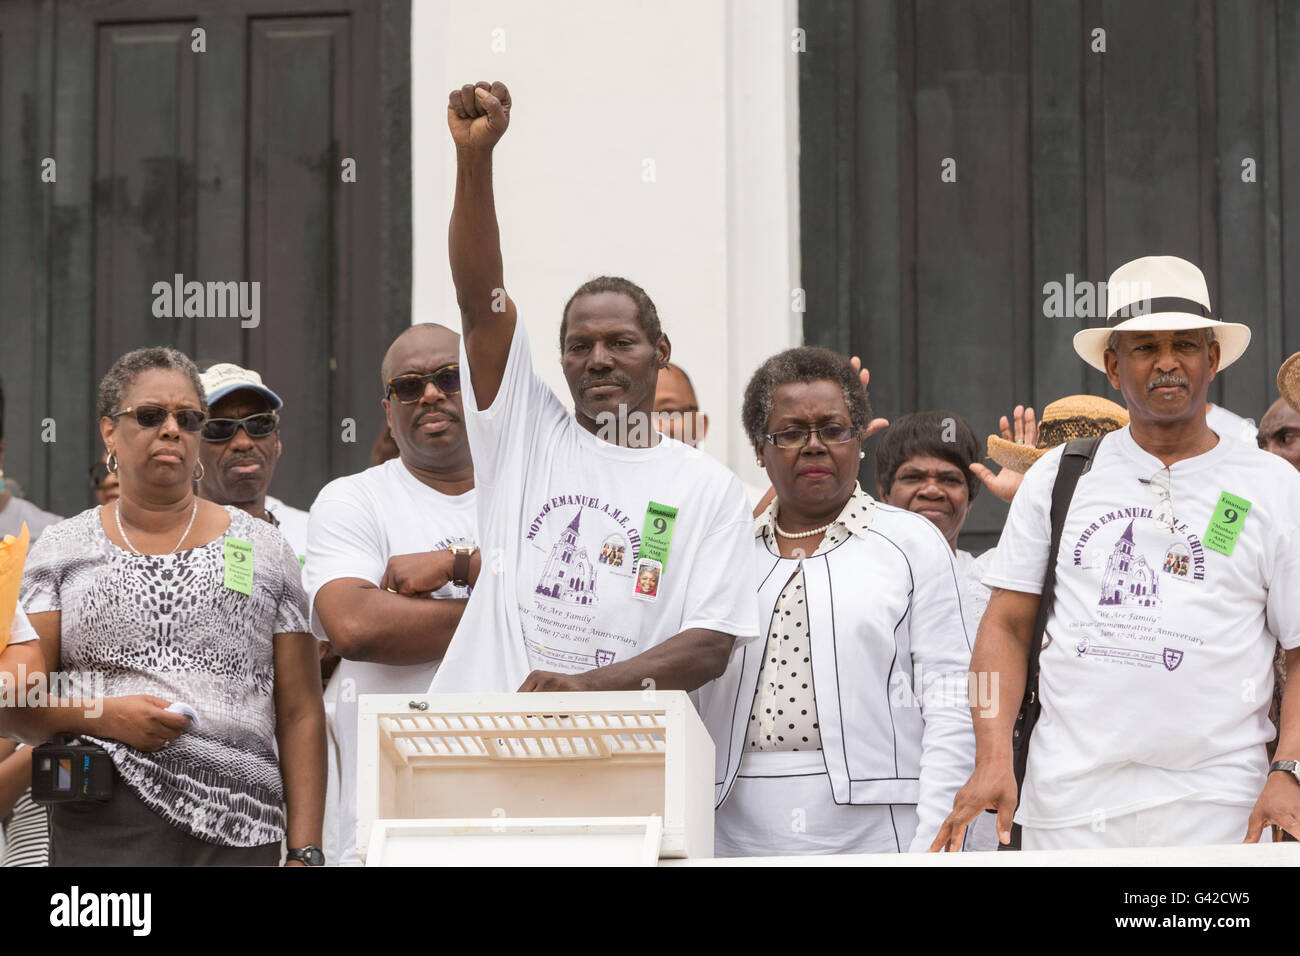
846	729
151	603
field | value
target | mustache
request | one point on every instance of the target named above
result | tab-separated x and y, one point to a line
1163	380
436	412
245	460
616	379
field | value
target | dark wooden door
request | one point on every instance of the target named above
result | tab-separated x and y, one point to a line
25	122
220	164
1068	161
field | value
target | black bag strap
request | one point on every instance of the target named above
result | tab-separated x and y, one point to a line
1075	461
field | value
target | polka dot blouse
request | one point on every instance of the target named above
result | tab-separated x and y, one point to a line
784	716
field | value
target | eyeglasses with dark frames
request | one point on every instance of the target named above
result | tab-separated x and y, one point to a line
798	437
155	416
255	426
409	389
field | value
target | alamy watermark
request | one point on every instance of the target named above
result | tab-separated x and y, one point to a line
72	689
208	300
634	428
76	908
946	689
1084	299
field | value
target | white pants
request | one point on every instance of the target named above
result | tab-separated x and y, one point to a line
1182	823
331	844
781	805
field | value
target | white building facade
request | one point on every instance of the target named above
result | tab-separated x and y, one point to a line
653	141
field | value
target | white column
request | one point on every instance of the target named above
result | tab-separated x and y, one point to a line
762	201
653	141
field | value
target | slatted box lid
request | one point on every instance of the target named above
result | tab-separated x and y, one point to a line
525	756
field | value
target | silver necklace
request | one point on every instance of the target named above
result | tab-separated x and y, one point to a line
117	513
802	534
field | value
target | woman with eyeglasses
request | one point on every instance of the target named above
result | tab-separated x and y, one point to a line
846	729
181	627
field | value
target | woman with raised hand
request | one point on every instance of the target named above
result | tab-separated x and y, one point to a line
161	600
847	728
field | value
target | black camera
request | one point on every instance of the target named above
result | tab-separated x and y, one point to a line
66	770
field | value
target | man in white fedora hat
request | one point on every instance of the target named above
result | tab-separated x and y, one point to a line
1177	577
1187	302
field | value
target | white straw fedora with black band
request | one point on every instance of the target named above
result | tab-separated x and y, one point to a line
1159	294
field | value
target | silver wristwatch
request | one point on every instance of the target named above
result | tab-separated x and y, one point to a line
308	855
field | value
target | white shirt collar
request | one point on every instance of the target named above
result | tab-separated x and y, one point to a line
855	517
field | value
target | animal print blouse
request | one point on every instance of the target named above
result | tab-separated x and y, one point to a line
167	625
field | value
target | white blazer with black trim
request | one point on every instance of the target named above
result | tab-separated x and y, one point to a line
890	658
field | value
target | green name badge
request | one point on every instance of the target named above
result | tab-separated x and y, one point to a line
657	532
1229	515
239	565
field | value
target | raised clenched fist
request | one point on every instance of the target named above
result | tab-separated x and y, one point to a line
478	115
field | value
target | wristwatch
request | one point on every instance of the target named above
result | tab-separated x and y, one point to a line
307	856
1286	766
461	551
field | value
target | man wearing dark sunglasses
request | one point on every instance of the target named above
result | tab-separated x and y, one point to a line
570	504
385	540
240	449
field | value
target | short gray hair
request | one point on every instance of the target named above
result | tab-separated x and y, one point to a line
129	367
807	363
1112	342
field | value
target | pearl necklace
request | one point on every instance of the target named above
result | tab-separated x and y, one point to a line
802	534
122	531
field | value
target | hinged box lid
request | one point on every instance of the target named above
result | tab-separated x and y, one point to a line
578	756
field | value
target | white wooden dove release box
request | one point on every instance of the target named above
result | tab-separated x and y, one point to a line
462	779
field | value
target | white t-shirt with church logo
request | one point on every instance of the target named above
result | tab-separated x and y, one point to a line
1157	673
560	516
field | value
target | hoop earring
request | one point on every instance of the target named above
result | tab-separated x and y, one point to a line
111	464
202	472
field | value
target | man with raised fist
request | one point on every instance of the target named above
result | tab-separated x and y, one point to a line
573	507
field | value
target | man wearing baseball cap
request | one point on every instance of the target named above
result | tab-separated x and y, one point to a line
1177	577
240	448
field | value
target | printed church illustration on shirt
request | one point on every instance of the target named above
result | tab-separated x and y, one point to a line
1128	578
569	575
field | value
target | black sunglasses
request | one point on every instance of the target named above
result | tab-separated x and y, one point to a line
409	389
154	416
255	426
